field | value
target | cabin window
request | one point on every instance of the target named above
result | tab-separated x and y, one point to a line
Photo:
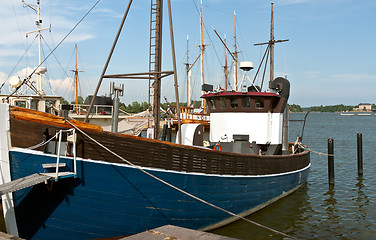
34	104
20	104
259	103
222	102
212	103
246	102
234	103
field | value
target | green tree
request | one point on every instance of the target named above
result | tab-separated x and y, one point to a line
296	108
331	108
63	101
80	100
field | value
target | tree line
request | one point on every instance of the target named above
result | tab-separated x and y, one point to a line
329	108
136	107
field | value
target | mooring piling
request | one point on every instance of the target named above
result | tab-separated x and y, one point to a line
331	161
360	153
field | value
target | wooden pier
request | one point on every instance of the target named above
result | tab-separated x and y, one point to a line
174	232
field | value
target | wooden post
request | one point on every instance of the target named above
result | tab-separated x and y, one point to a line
331	161
360	153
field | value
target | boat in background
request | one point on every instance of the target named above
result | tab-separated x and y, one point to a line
64	179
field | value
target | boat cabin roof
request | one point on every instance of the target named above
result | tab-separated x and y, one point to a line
251	102
233	93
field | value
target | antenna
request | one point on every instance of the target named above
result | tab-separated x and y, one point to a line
246	67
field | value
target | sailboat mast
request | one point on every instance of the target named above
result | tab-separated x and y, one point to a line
272	41
187	65
76	75
236	57
39	81
157	67
225	67
202	47
270	44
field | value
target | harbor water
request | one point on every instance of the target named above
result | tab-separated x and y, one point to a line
346	210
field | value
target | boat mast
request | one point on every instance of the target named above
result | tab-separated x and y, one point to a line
172	41
36	8
107	61
226	50
157	66
235	57
156	73
39	21
187	66
226	67
271	47
76	76
202	48
271	43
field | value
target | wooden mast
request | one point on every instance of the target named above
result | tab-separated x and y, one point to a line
226	67
202	48
228	50
76	76
187	66
107	61
175	71
271	43
156	74
157	67
236	57
271	47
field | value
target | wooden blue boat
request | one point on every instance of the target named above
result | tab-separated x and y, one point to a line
64	179
108	197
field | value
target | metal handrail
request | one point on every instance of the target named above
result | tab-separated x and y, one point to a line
59	151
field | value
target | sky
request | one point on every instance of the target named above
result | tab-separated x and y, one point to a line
329	58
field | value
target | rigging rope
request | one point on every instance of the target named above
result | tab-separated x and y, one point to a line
27	78
14	68
45	142
178	189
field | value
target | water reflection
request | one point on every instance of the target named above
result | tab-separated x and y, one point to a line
330	203
361	201
288	215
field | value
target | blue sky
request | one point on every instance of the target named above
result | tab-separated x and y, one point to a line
329	59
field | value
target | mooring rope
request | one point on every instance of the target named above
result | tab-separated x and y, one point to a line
319	153
178	189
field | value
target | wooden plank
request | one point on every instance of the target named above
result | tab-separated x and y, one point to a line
21	183
174	232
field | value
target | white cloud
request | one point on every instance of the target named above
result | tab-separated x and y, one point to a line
312	74
58	86
20	20
11	52
62	85
354	77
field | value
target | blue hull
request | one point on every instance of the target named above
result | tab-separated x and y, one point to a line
109	199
